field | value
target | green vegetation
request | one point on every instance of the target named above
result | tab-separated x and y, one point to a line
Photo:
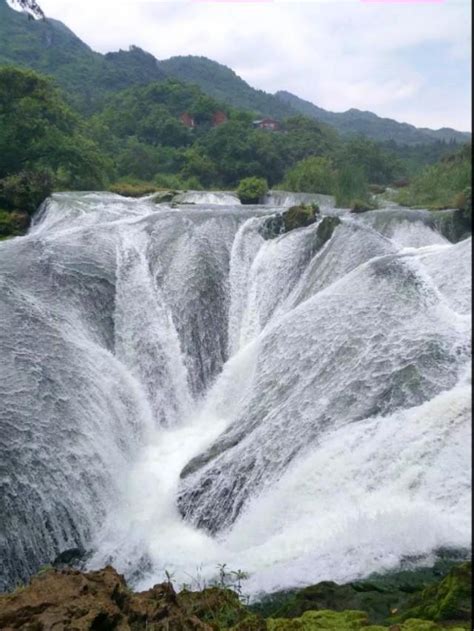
137	144
403	601
346	172
356	122
447	600
351	186
86	77
120	124
299	216
406	601
133	189
251	190
222	83
445	184
12	224
311	175
43	145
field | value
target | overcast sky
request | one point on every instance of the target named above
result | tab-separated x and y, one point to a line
407	60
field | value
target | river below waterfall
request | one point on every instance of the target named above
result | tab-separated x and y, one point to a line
179	392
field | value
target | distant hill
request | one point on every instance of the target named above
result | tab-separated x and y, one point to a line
368	124
87	77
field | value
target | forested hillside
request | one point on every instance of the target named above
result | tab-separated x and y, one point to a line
50	47
223	83
119	120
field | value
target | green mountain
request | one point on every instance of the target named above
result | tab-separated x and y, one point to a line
224	84
369	124
86	77
49	47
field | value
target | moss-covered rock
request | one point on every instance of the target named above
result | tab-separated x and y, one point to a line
362	206
448	600
300	216
133	189
13	223
323	620
165	197
70	599
25	190
295	217
384	597
326	620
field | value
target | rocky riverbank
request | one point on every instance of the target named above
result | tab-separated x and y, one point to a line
66	598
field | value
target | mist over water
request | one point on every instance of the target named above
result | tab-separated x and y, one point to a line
178	391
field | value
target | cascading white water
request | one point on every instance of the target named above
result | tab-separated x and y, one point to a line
179	391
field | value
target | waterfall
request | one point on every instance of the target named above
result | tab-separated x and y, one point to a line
179	391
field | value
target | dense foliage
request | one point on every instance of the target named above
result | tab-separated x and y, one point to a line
251	190
224	84
140	129
43	143
311	175
87	77
445	184
346	171
139	136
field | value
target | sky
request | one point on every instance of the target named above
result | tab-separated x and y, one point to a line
404	59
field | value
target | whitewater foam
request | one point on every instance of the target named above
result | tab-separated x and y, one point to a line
179	392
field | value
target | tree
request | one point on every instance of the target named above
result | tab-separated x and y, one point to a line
200	166
39	133
380	166
312	175
351	186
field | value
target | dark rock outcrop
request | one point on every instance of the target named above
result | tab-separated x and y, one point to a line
71	557
295	217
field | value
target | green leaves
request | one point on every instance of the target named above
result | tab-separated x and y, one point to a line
312	175
42	142
251	190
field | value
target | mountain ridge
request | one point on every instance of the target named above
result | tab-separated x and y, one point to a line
87	77
353	121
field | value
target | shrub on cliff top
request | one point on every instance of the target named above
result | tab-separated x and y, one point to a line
251	190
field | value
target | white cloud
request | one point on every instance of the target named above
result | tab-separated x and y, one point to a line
338	54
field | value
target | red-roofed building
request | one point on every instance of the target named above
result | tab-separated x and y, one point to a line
218	118
187	120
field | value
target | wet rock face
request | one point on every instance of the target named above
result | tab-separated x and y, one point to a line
455	225
70	557
69	599
165	197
